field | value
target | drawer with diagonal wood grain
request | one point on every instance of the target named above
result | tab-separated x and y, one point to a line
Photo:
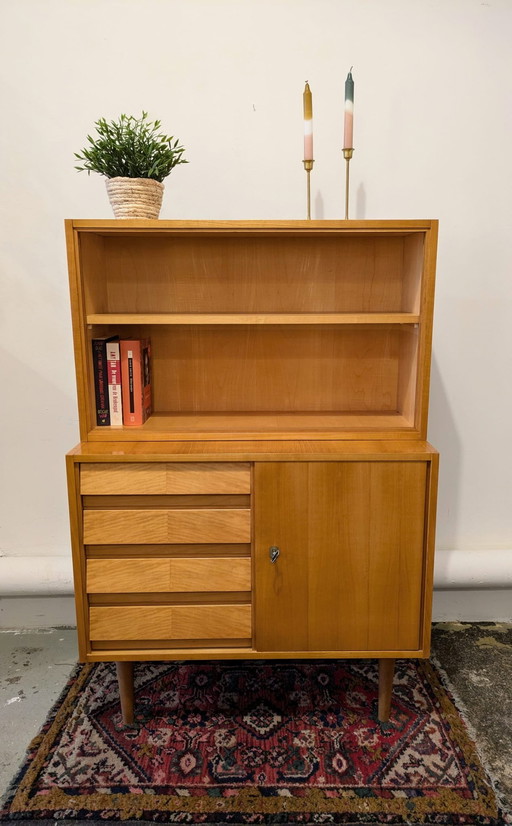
171	575
166	525
169	622
171	478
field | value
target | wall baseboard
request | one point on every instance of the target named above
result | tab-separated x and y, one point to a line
36	592
470	606
36	576
476	605
37	612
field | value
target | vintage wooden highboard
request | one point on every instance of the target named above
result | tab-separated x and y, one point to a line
280	501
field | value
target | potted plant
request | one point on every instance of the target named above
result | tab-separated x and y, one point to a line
135	158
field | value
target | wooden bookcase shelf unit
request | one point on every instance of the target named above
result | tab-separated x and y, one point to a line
260	329
280	501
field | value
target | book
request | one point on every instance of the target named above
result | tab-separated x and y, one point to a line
114	383
100	369
136	380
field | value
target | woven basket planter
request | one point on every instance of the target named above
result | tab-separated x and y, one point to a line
135	197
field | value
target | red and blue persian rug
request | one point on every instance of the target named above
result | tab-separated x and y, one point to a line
255	743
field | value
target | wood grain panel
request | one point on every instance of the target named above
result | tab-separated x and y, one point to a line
170	622
281	588
166	478
120	576
351	576
396	554
276	369
117	527
414	250
254	274
338	519
408	374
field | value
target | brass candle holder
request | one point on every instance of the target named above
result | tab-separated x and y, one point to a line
347	154
308	166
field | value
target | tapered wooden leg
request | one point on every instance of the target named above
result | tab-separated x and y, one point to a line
386	674
125	681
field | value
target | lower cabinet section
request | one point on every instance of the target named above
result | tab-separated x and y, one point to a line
297	557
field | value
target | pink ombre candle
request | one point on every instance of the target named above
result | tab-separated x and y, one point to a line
348	137
308	123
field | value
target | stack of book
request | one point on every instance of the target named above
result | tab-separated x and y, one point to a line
122	380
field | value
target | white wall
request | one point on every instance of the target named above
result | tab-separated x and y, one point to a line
432	137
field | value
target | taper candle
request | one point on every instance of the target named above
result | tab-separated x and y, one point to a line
308	123
348	140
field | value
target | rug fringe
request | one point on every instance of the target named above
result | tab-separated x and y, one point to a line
462	709
23	764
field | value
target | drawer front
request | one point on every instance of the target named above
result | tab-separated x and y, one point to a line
168	622
161	526
178	478
180	575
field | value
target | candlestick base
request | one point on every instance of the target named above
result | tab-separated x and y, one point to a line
308	166
347	154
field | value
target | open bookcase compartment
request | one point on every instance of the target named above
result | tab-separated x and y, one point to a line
252	274
262	330
269	378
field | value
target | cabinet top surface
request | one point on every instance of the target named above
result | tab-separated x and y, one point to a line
306	450
146	225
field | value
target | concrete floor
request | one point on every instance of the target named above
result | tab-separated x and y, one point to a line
35	665
34	668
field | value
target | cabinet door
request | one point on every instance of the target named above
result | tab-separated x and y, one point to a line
349	574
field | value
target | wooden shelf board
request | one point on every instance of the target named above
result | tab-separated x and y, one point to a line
234	426
253	318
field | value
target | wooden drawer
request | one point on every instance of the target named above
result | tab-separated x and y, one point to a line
161	526
165	478
178	575
168	622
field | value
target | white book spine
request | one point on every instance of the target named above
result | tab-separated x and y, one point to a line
114	383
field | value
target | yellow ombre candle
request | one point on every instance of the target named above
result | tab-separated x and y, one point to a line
308	123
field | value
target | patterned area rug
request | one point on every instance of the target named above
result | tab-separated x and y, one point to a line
252	742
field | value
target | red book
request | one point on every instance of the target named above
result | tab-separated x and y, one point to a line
114	382
136	380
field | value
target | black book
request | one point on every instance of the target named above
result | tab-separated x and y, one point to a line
99	361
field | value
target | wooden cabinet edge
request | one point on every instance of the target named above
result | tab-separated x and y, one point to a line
430	530
78	316
177	655
78	556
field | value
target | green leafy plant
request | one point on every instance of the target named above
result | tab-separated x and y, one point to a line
130	147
